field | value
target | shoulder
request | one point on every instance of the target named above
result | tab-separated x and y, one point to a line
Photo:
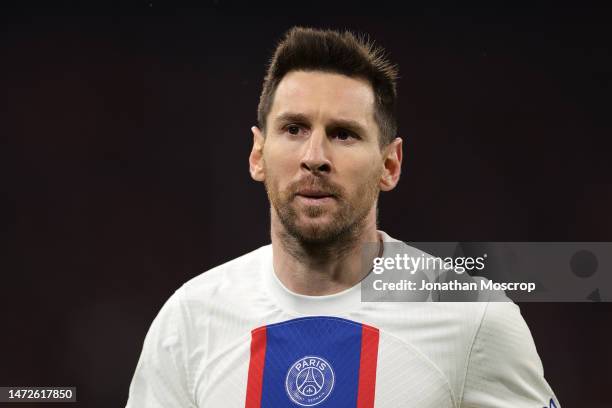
504	367
504	332
222	293
235	275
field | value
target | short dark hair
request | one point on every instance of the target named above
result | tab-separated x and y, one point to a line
309	49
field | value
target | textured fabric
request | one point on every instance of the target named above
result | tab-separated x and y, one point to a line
207	348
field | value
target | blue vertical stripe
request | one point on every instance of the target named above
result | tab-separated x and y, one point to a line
337	341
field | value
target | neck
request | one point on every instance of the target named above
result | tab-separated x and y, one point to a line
327	268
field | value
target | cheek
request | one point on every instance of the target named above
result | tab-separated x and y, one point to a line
364	173
278	167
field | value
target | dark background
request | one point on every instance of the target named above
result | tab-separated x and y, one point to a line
125	134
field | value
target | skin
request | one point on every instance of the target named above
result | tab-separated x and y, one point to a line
321	162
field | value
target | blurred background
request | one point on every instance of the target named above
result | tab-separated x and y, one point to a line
125	134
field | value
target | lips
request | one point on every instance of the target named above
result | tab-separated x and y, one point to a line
314	193
314	197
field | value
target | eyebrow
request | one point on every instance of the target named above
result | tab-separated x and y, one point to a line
348	124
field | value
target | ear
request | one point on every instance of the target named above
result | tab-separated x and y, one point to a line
392	162
256	167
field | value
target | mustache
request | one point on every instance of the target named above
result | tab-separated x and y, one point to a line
315	183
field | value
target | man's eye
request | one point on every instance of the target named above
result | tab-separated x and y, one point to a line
293	129
342	134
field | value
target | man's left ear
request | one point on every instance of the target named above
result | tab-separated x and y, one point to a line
392	162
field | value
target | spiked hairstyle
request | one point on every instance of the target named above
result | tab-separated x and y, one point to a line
308	49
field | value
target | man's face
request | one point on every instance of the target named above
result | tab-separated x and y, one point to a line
321	160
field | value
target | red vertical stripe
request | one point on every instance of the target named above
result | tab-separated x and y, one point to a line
367	367
256	368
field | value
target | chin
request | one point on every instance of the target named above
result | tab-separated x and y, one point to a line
316	231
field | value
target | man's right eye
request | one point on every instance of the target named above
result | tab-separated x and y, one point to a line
293	129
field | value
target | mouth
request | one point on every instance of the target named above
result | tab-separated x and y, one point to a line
311	196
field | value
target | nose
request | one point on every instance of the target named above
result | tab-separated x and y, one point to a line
315	159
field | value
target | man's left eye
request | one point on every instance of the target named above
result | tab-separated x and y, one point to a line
342	134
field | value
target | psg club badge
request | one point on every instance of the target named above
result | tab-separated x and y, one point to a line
309	381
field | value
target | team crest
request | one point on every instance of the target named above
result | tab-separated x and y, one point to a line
309	381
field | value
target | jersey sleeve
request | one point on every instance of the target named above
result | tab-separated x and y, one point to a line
161	378
504	369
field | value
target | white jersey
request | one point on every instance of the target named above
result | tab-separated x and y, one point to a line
236	337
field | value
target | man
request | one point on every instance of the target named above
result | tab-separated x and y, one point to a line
284	325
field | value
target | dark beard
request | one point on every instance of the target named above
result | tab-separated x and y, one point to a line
321	243
318	245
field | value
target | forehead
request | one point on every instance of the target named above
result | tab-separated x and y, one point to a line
324	95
